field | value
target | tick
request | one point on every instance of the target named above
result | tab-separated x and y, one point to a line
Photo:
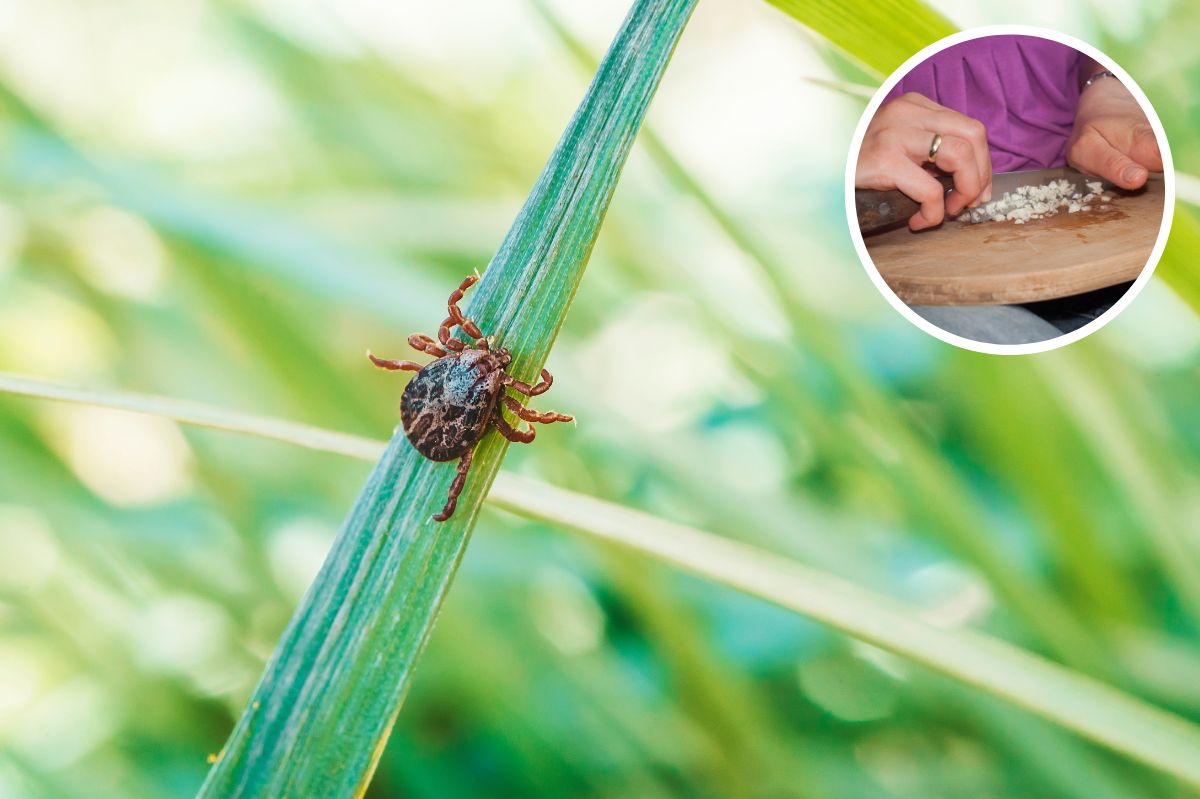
450	403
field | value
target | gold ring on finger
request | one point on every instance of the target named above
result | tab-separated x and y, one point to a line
933	147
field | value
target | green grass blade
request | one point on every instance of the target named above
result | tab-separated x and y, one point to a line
1086	706
881	36
1178	265
196	413
320	717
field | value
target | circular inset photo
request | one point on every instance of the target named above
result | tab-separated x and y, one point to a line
1009	189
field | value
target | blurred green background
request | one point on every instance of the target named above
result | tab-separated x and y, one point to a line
230	201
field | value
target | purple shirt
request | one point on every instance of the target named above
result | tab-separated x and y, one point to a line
1022	88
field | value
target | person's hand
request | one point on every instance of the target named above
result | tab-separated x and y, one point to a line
1112	138
896	146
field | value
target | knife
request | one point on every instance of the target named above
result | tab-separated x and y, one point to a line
878	210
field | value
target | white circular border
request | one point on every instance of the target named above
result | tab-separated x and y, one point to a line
1066	338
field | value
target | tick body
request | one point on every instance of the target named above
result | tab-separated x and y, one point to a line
447	406
450	403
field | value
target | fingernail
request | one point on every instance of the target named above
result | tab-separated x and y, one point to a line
1132	174
987	194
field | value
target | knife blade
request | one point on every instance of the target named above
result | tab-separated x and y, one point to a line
1004	182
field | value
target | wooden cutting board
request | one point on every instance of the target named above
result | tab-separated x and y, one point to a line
994	263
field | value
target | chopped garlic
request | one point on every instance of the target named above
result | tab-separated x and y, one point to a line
1027	203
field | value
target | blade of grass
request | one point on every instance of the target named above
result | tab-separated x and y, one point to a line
1178	264
196	413
319	719
856	91
881	36
1076	702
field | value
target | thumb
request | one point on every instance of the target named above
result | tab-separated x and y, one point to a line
1093	154
1144	148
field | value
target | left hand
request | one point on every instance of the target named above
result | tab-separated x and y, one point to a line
1112	138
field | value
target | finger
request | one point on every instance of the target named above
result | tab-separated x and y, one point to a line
922	187
955	156
948	122
916	98
1093	154
985	196
974	133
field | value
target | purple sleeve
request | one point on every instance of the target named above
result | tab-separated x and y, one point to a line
1024	89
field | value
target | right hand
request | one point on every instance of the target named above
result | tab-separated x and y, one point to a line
896	146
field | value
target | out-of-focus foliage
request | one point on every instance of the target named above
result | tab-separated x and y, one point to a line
1095	710
229	202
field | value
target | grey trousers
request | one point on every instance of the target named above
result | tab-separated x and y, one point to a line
990	324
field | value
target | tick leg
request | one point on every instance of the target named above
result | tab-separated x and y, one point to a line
457	294
384	363
457	318
510	432
423	343
530	415
444	336
456	488
526	389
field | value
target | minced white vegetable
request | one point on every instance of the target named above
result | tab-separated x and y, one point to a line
1034	202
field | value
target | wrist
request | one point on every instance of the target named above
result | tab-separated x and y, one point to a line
1099	74
1105	95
